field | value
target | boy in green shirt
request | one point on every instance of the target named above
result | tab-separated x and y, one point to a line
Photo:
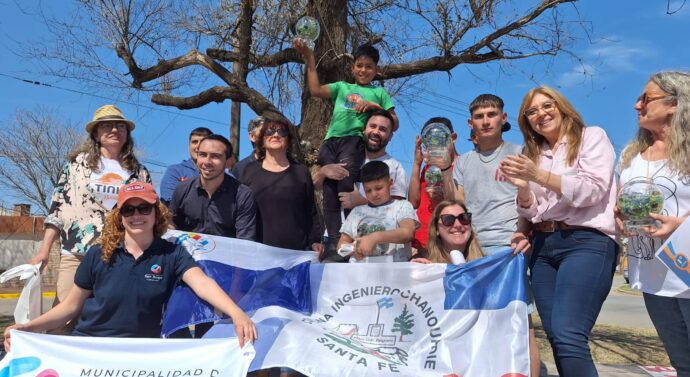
343	143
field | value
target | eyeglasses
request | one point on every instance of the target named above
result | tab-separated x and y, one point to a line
282	132
109	126
547	107
144	209
464	218
646	100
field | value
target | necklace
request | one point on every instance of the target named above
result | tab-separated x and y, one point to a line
496	153
649	157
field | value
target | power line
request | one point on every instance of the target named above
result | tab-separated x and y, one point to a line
33	82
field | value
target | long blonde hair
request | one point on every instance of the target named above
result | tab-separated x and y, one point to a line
113	233
435	251
572	125
677	85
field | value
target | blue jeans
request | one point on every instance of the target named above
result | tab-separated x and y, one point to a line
572	272
671	318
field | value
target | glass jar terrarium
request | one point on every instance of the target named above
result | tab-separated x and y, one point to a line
434	179
436	139
308	30
636	200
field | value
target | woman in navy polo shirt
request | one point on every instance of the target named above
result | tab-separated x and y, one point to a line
125	280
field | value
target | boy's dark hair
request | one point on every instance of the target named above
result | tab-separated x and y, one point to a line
489	100
374	170
443	120
200	131
222	139
383	113
367	50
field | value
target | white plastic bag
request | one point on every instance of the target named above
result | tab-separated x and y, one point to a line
30	301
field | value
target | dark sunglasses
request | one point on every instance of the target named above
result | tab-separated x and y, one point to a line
449	220
144	209
282	132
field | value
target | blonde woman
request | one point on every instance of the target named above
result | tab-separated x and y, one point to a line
131	265
566	188
660	152
450	228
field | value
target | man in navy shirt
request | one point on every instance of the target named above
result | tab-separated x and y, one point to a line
186	169
214	202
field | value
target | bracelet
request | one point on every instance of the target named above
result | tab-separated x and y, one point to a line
449	166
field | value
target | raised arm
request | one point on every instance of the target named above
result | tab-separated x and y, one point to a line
315	87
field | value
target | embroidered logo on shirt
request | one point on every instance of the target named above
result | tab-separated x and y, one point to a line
155	274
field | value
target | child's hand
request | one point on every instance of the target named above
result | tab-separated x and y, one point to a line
420	260
318	248
16	326
302	47
365	246
365	106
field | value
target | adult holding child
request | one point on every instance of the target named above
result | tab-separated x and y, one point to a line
86	190
343	143
116	289
567	190
660	154
283	191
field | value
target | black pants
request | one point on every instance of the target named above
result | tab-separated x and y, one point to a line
348	150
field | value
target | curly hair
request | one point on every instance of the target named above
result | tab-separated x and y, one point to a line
677	85
113	233
572	125
435	251
261	147
92	148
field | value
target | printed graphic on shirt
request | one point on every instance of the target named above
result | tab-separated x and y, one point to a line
155	275
352	100
107	187
499	176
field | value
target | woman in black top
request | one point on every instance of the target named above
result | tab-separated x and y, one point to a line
283	191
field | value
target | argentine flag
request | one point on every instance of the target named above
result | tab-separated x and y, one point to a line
359	319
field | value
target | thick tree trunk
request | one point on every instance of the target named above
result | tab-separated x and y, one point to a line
332	65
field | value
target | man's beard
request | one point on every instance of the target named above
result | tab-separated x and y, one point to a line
375	148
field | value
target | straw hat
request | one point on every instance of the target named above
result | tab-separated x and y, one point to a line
108	113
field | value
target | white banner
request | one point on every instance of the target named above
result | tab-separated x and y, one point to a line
74	356
378	319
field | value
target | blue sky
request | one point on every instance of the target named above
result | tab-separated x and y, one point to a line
629	40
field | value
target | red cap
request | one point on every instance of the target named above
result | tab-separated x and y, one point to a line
141	190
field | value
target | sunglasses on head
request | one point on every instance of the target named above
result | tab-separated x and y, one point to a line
282	132
449	220
128	210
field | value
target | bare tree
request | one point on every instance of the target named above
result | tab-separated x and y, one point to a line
33	149
191	53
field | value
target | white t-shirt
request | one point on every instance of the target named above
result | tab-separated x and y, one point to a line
645	271
397	173
366	219
107	182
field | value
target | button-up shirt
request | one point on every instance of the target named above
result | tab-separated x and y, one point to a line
588	187
229	212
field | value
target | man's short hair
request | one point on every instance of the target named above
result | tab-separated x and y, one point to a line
200	131
486	100
443	120
222	139
367	50
489	100
375	170
255	123
382	113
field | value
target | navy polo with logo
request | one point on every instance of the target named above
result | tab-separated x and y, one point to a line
128	295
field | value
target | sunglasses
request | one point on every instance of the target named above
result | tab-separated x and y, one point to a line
547	107
109	126
144	209
645	100
449	220
282	132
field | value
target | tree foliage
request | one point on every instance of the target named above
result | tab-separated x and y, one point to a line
190	53
33	149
